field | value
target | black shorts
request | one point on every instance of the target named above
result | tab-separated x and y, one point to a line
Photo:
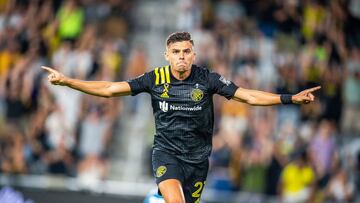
191	176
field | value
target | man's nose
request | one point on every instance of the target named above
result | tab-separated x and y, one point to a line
182	55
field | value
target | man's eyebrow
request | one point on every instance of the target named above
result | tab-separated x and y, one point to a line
175	49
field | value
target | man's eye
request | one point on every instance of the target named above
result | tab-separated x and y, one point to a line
176	52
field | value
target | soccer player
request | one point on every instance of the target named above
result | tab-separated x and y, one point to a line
181	97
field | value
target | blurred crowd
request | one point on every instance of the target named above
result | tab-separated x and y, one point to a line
52	130
298	153
307	153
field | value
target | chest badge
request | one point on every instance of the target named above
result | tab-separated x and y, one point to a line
197	94
165	91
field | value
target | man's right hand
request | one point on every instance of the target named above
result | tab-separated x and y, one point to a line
55	77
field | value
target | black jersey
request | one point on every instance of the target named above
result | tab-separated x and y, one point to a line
183	109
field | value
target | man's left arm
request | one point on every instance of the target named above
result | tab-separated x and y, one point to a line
261	98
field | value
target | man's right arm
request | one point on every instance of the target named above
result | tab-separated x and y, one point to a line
97	88
100	88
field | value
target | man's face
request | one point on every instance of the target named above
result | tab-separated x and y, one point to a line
180	55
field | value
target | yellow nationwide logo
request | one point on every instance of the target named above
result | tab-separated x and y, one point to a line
197	94
160	171
165	91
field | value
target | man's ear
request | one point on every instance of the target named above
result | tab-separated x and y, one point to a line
166	55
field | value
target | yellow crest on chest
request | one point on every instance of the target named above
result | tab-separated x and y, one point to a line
197	94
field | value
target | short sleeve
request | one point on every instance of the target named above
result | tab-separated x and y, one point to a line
141	84
220	85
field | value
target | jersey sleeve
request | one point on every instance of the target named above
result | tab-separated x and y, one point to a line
220	85
141	84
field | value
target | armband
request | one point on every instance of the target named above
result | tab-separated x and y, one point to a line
286	98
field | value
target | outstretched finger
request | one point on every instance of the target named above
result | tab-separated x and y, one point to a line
313	89
50	70
312	97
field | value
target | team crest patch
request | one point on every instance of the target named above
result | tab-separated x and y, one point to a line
197	94
160	171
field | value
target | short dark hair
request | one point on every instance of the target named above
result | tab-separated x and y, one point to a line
179	37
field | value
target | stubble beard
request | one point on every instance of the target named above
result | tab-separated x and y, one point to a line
182	71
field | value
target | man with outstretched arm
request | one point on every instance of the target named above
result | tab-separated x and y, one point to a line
181	97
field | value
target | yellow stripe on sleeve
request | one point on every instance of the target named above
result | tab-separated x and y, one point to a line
162	74
157	76
167	73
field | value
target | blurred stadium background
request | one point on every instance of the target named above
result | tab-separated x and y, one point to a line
59	145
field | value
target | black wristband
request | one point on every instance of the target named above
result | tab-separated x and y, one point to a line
286	98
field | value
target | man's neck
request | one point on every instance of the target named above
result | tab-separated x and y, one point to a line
181	75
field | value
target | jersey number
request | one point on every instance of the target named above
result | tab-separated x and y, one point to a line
199	185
